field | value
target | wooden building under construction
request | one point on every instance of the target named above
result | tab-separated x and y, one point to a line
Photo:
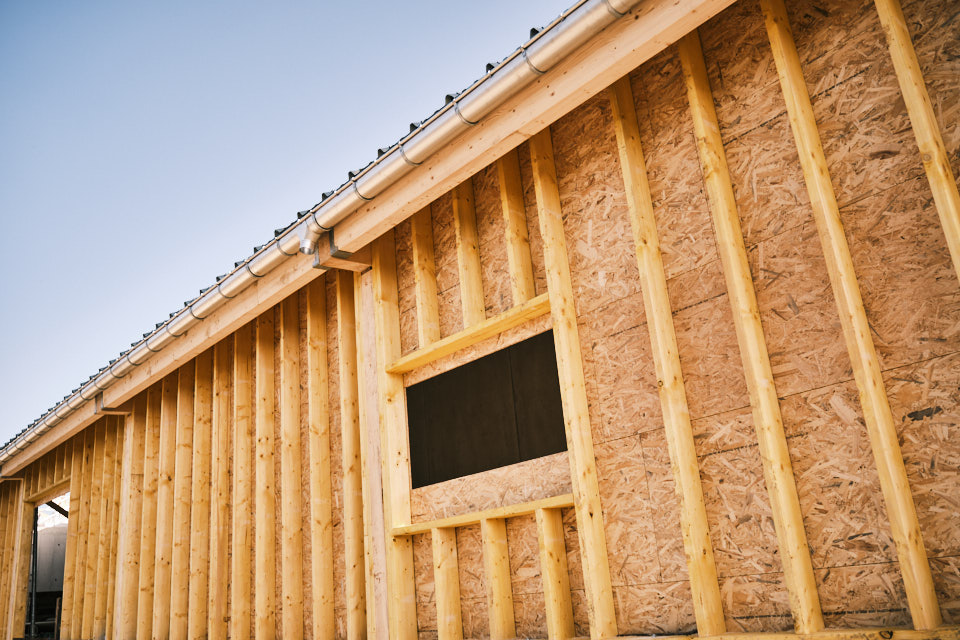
737	227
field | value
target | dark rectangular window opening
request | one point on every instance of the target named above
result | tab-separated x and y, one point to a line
496	411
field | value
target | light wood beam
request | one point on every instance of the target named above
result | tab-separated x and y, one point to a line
496	578
351	461
83	528
522	286
476	517
167	467
884	441
200	496
318	473
573	394
468	254
113	562
92	563
242	498
106	526
148	520
777	468
182	499
923	119
21	571
265	622
291	529
707	605
219	577
553	570
7	536
401	595
446	579
70	552
425	278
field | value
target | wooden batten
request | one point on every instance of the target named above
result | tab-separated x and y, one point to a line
148	522
21	558
777	467
553	571
321	492
114	551
425	278
583	467
520	263
80	552
200	496
167	467
351	459
91	563
291	533
401	595
219	578
878	417
182	486
110	452
446	578
265	553
241	542
70	551
468	254
704	585
496	574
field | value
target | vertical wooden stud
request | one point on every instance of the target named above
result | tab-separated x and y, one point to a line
573	394
291	542
351	460
243	433
113	562
446	578
468	254
924	123
698	549
83	528
166	470
904	526
496	574
182	499
401	595
321	500
425	277
777	468
21	558
90	582
200	496
265	536
148	521
8	502
553	570
106	526
515	228
219	577
70	554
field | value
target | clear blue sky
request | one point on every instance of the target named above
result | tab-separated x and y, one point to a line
144	147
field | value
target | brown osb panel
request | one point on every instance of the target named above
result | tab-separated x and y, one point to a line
445	255
627	512
724	431
946	579
470	563
530	615
925	400
571	541
423	582
596	226
665	507
909	287
843	511
533	224
488	346
406	288
756	603
494	269
521	482
524	550
473	614
654	609
673	169
864	596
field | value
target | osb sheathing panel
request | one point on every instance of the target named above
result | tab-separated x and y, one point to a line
533	223
406	288
492	244
445	255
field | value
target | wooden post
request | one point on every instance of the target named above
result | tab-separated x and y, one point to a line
425	277
70	553
321	499
83	528
90	582
21	559
243	433
182	499
200	496
291	543
166	470
219	577
468	254
704	585
515	228
265	537
148	521
446	578
496	574
573	394
124	428
8	503
553	571
925	126
353	524
401	595
904	525
106	526
777	468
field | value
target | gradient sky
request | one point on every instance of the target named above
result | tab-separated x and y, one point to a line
144	147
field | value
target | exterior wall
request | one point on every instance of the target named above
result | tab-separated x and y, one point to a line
177	521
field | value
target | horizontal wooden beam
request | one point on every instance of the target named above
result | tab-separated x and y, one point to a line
533	308
466	519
